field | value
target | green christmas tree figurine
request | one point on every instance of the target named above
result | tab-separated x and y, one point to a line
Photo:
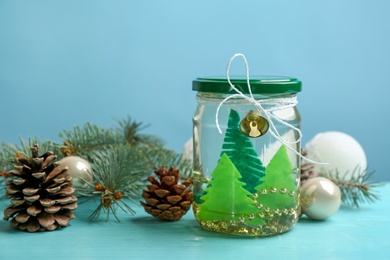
225	198
240	150
278	190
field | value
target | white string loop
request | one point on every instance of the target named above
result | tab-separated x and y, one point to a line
277	104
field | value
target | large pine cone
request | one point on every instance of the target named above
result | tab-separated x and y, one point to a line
166	199
41	194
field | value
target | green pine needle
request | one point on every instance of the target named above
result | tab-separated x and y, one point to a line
130	130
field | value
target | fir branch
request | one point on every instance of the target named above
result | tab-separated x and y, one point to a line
118	172
360	188
83	141
130	130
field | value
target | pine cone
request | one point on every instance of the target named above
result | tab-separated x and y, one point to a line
307	169
166	199
41	194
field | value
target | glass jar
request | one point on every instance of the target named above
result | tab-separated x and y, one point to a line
246	182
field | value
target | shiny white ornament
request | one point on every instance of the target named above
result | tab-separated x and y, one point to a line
79	169
320	198
341	151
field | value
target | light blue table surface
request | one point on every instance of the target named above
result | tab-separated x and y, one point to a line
361	233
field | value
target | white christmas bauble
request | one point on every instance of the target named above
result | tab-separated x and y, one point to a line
79	169
341	151
319	198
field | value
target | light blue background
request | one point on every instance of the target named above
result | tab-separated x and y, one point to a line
63	63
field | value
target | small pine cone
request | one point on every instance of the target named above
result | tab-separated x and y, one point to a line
40	193
307	169
165	198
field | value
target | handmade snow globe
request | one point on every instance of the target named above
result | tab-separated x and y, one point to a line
246	154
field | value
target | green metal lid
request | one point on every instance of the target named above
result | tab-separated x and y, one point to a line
259	85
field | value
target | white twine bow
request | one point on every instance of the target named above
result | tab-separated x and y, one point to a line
281	104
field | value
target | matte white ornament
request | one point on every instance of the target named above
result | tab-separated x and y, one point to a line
341	151
320	198
79	169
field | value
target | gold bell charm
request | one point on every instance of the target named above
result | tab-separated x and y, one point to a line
254	125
